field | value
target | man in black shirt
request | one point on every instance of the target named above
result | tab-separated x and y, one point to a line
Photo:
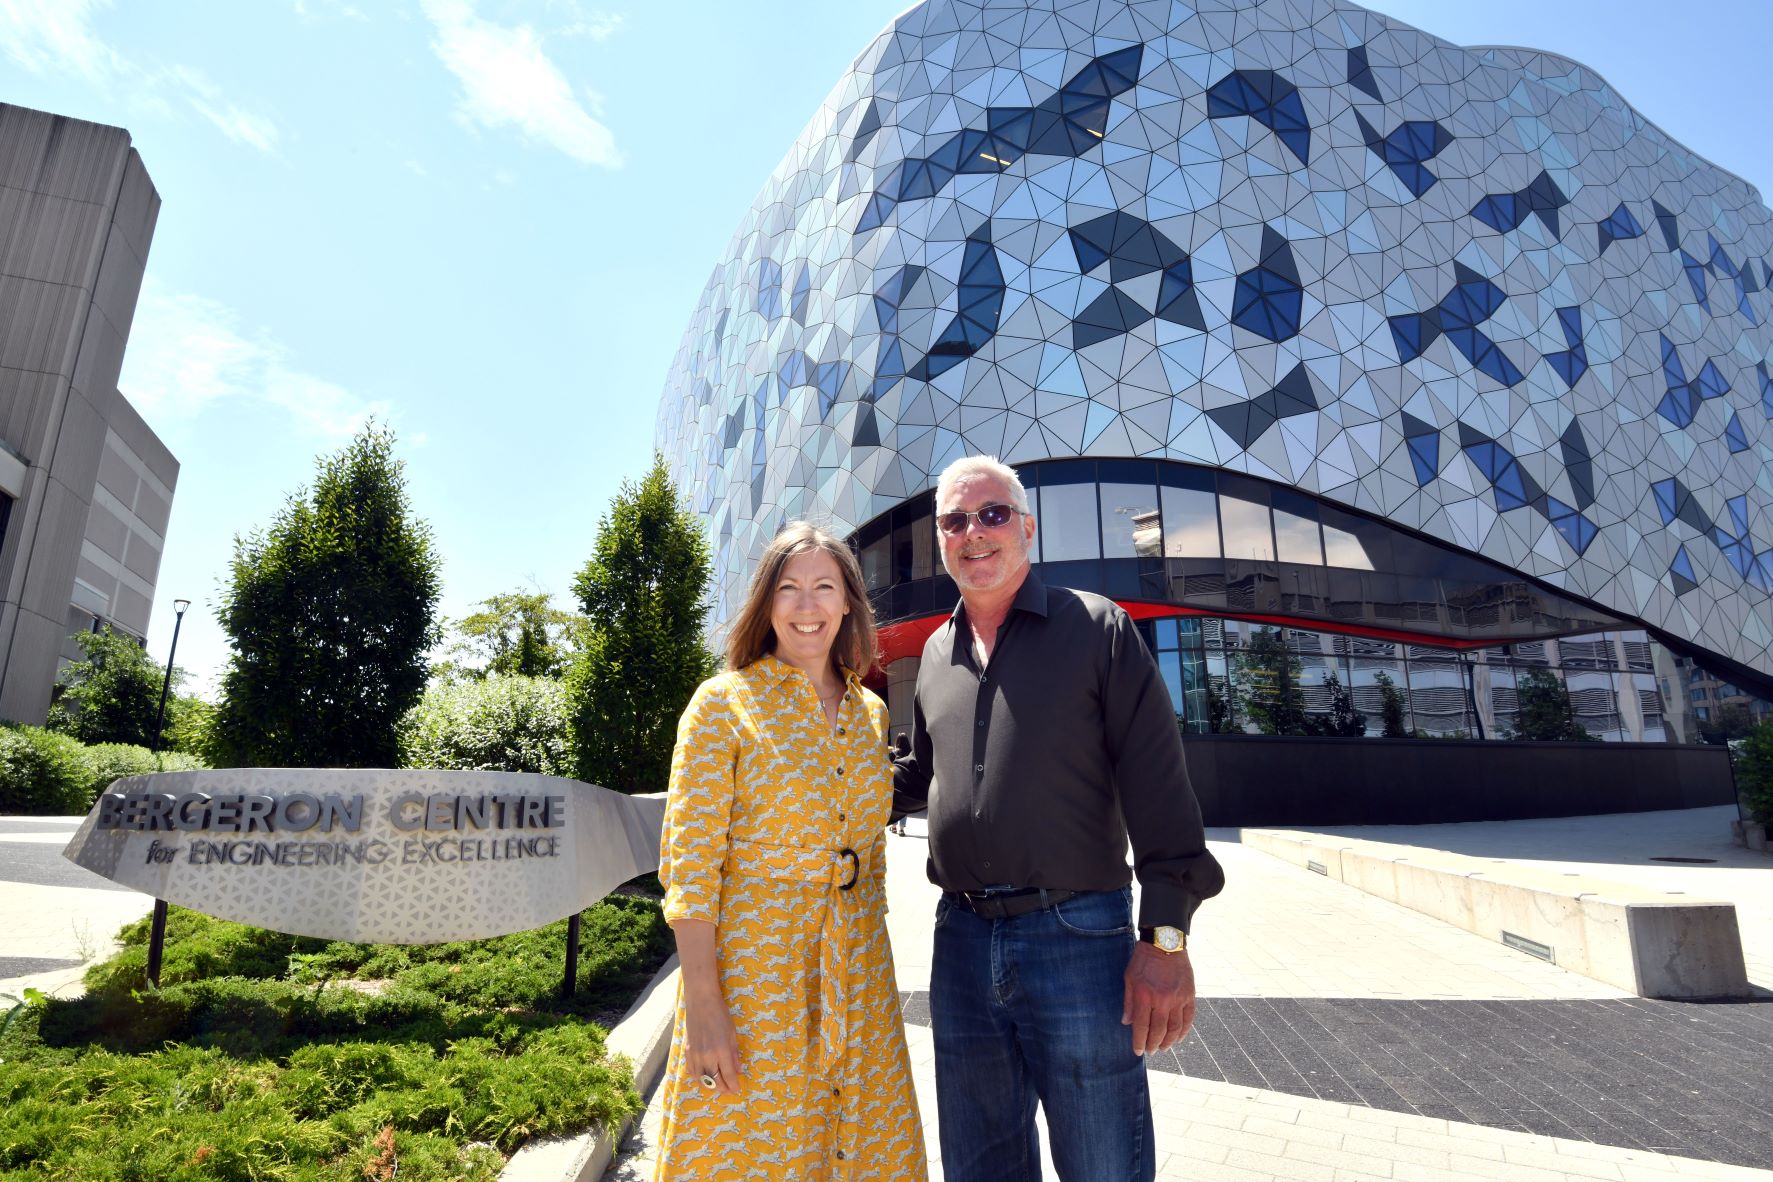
1043	739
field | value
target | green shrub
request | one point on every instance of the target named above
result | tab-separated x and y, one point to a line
42	773
1752	757
303	1061
108	762
500	724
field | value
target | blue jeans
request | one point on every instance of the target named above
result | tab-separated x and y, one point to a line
1028	1008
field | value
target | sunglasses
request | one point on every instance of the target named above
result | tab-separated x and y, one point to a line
989	516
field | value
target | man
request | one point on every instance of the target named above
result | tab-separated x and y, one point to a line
1042	738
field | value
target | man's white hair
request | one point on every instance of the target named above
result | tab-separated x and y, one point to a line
982	466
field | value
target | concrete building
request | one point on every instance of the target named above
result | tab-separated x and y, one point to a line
1435	381
86	487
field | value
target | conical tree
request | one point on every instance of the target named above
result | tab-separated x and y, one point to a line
643	594
330	611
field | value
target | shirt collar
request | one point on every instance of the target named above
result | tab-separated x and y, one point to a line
1031	596
777	672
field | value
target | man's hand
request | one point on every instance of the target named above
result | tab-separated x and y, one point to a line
1159	1003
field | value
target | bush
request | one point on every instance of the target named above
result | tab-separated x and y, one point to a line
1752	757
501	724
107	762
266	1056
42	772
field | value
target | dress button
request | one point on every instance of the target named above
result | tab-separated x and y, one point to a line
841	817
979	768
836	1091
840	730
840	771
840	1155
981	722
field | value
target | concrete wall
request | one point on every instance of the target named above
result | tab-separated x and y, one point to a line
77	214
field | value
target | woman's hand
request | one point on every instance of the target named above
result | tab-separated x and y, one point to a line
710	1044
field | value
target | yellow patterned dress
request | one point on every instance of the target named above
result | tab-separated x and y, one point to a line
771	813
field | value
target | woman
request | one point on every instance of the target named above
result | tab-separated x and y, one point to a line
788	1055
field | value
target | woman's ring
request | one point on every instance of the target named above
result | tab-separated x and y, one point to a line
708	1081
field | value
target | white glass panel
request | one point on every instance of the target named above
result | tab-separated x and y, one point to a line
1129	521
1191	523
1342	548
1068	523
1247	533
1296	539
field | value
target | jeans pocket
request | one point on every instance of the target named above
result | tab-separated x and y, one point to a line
1097	913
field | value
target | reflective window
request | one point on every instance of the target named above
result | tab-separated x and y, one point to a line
1130	527
1191	523
1068	522
1296	539
1342	548
877	571
1437	700
1247	533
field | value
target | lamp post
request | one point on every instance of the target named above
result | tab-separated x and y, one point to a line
157	933
179	607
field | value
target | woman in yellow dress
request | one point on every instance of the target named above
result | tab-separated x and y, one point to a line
788	1059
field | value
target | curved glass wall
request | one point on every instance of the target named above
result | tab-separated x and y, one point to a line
1417	640
1218	541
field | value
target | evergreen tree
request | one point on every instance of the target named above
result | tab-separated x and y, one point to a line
1542	705
1391	707
113	695
643	595
330	612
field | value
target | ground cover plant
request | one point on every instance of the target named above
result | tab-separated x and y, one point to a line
274	1058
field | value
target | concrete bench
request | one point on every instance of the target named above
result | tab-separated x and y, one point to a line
1653	943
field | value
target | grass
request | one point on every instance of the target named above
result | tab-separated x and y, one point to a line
273	1058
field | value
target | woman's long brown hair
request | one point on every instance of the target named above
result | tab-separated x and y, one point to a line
752	635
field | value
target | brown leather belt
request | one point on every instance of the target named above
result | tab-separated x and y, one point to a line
1009	904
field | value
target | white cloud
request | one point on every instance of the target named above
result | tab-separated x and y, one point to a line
325	8
508	81
187	353
56	37
205	97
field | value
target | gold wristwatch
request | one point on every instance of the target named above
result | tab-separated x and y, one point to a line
1165	938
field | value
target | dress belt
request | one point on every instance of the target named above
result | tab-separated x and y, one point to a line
839	871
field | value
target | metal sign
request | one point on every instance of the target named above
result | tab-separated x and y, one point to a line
374	856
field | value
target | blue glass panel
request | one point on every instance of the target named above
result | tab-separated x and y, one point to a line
1500	211
1570	320
1710	382
1665	499
1738	507
1509	490
1406	333
1677	407
769	288
1683	566
1267	98
1267	304
1425	454
1734	436
1696	279
1766	388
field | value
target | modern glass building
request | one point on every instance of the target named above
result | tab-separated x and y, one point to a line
1401	389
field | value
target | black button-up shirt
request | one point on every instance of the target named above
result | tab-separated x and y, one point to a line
1038	767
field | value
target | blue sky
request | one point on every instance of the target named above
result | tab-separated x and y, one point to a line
488	222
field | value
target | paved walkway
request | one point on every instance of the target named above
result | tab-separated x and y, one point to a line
1342	1037
54	916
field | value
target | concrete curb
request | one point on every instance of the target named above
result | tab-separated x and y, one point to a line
643	1036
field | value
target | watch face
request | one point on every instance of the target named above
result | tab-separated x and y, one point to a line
1169	939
